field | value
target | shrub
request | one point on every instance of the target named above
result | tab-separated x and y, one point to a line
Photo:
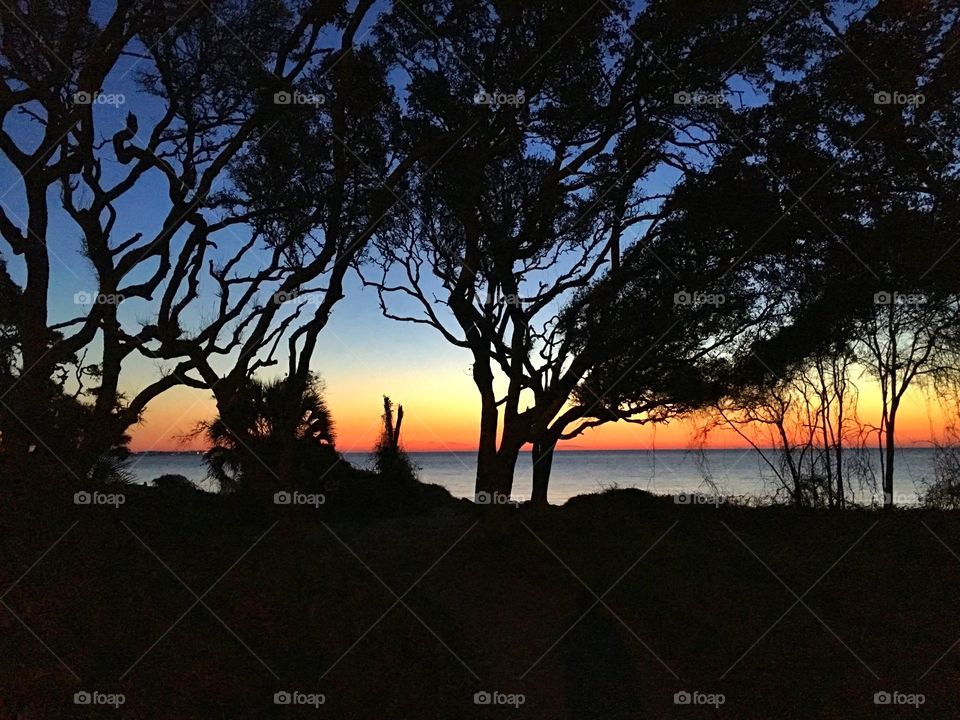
389	457
271	436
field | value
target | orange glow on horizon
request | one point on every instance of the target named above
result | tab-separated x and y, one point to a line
446	418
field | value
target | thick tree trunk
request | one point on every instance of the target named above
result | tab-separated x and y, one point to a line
106	429
487	450
489	421
34	333
506	466
542	465
26	402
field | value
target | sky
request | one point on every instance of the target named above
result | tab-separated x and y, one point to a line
364	356
361	356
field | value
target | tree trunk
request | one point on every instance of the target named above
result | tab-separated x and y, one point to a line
487	444
542	465
396	429
285	435
889	450
506	466
26	408
34	333
841	499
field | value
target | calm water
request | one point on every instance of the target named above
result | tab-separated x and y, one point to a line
734	472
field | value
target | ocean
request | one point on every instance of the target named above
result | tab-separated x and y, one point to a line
731	472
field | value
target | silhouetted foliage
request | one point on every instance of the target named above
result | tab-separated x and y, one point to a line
943	492
174	483
63	432
235	164
863	148
249	451
573	136
391	460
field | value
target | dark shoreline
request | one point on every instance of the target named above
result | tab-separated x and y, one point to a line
694	585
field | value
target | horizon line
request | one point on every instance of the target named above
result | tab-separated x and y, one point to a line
917	445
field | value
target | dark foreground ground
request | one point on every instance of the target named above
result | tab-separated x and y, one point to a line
194	606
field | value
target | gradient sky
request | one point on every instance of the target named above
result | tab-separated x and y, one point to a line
361	355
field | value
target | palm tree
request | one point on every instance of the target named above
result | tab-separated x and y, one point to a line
271	436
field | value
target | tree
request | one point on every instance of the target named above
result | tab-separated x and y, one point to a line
249	439
872	131
67	420
391	460
241	87
910	339
708	295
859	153
801	423
836	397
560	170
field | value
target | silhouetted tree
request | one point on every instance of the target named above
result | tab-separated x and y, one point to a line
248	440
391	460
268	164
802	424
909	340
865	146
574	134
668	331
857	155
67	422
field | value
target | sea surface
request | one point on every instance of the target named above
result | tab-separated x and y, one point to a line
727	472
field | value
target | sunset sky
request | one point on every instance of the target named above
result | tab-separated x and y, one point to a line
442	411
361	354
